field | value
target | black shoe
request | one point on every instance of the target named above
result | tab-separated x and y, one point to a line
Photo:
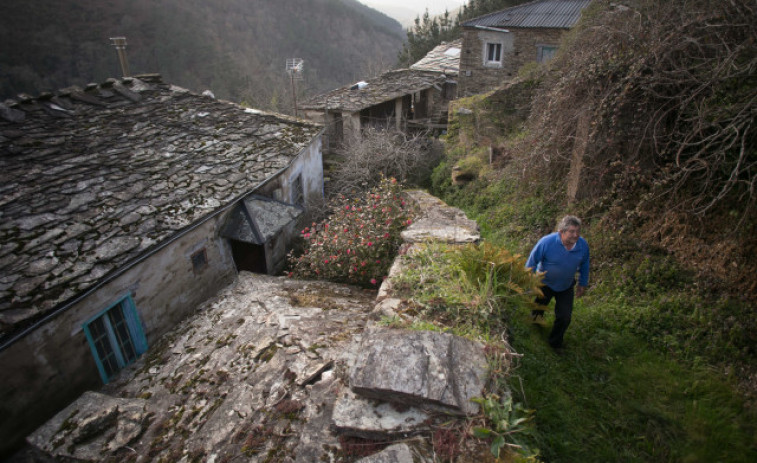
537	318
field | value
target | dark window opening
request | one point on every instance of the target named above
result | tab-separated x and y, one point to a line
298	194
199	260
248	257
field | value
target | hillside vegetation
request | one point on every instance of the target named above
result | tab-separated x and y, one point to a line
658	99
236	48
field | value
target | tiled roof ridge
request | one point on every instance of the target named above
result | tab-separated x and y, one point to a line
124	86
473	22
426	78
152	78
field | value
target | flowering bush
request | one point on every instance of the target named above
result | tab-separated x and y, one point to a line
358	242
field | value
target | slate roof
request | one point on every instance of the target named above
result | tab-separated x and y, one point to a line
556	14
386	87
257	219
443	58
92	179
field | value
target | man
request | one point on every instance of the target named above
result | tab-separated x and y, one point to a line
561	255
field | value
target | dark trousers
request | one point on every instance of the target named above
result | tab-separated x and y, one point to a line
563	311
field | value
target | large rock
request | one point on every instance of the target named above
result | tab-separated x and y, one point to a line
368	419
439	222
420	368
95	424
397	453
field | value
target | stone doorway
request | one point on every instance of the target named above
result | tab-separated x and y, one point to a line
249	257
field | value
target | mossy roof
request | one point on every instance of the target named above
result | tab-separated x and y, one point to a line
386	87
92	179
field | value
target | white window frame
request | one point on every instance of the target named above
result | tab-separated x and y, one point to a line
496	63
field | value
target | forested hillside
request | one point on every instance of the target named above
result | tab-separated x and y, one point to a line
236	48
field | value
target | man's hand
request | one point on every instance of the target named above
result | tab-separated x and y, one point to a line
580	290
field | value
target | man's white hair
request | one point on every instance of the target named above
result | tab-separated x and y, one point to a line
568	221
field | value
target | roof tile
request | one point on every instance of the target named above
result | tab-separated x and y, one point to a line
90	180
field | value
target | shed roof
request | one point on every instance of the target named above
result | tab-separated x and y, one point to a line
386	87
443	58
257	219
93	179
554	14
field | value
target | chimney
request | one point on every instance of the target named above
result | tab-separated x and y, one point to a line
120	44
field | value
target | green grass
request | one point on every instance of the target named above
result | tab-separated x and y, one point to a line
643	375
610	397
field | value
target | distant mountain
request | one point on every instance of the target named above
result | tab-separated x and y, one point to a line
406	11
236	48
402	13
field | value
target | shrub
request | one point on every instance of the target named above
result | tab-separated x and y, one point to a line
358	242
384	153
466	285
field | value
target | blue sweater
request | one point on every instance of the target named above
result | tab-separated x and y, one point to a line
549	255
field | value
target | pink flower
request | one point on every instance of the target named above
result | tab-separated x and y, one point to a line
386	235
409	221
307	235
370	243
373	281
326	261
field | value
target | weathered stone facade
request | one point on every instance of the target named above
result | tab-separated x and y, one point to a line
398	99
519	47
112	198
496	45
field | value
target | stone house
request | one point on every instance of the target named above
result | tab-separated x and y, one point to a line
124	206
496	45
405	99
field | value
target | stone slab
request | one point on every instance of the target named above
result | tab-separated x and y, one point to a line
397	453
356	416
439	222
420	368
94	424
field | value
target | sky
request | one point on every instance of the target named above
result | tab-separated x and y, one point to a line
406	10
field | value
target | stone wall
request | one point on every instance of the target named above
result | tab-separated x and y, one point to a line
54	364
520	46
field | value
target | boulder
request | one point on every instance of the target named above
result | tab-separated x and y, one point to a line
368	419
95	424
397	453
439	222
420	368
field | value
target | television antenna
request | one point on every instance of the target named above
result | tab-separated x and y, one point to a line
294	67
120	44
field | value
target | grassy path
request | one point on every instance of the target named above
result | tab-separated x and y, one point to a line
610	397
